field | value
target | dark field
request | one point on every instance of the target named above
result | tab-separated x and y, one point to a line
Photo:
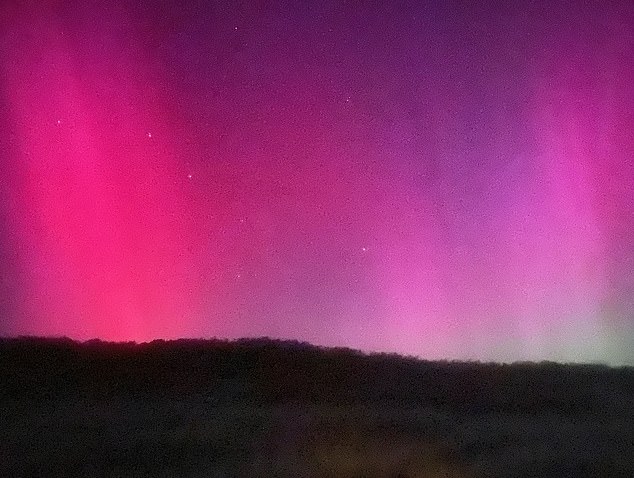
266	408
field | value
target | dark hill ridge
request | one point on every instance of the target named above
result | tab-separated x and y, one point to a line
265	371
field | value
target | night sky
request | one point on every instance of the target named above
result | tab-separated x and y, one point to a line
446	179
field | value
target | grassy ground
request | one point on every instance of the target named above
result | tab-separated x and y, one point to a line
192	438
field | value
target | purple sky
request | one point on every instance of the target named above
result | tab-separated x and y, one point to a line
441	179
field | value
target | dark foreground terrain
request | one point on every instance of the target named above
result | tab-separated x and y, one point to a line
262	408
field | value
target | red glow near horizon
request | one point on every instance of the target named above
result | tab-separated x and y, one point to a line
459	185
103	203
